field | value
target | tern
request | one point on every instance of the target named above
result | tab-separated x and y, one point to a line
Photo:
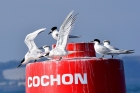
103	50
107	44
54	31
34	53
47	50
60	49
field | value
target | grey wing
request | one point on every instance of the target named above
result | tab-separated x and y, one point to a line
117	52
65	30
29	39
121	52
74	36
105	50
114	48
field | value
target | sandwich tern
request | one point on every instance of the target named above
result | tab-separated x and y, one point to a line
54	31
107	44
34	53
47	50
103	50
60	49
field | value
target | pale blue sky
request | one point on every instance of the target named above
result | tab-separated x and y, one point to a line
115	20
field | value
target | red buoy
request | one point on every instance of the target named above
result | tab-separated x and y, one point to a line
81	73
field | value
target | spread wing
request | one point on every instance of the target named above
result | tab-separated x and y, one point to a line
29	39
65	30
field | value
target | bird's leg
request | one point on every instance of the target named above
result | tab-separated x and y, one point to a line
112	56
35	60
60	58
102	56
41	56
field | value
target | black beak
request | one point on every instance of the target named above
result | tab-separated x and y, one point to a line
50	32
92	41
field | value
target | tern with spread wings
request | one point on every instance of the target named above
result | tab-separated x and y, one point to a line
60	49
34	53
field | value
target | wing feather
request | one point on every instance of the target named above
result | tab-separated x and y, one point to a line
29	39
65	30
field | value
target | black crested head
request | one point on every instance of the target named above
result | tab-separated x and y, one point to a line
97	40
54	28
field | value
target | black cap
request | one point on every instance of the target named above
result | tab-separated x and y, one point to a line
97	40
54	28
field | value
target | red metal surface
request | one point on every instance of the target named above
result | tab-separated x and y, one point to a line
82	50
80	75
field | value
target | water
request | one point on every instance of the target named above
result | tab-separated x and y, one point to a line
133	88
14	92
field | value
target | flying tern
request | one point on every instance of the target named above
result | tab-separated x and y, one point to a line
34	53
103	50
60	49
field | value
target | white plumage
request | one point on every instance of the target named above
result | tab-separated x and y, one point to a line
108	50
60	49
33	53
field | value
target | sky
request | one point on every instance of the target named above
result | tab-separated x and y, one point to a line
114	20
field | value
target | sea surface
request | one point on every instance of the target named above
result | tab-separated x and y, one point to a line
133	88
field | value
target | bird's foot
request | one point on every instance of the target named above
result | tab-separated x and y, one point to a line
35	60
59	59
41	56
112	56
102	56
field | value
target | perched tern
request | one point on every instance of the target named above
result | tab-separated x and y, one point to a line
47	50
54	31
103	50
34	53
107	44
60	49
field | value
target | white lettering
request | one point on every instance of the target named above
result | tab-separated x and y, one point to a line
38	81
57	79
29	84
64	79
82	80
67	79
42	80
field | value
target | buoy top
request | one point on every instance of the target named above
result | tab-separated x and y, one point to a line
82	50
